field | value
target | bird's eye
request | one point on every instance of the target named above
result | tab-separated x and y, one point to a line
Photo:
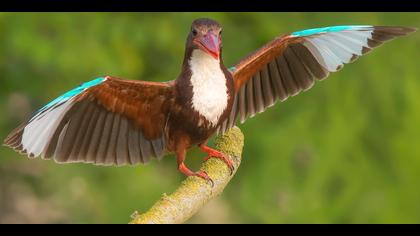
194	32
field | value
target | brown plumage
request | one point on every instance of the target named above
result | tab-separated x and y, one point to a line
111	121
292	66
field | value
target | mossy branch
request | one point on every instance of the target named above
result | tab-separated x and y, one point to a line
194	193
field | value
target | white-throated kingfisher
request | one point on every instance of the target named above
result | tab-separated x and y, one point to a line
112	121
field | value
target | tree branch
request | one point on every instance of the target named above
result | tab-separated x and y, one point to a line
194	192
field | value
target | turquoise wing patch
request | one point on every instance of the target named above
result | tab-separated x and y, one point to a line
328	29
73	92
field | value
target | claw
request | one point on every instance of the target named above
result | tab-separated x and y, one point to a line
200	174
216	154
205	176
230	164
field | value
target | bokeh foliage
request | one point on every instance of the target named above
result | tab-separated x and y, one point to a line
346	151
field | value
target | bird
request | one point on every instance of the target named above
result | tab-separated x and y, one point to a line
114	121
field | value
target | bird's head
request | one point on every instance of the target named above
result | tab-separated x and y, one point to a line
206	35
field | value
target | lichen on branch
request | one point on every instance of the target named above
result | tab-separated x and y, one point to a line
194	192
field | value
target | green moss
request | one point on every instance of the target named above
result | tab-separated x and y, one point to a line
231	142
194	192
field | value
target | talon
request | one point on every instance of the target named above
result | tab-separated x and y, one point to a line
200	174
230	165
205	176
216	154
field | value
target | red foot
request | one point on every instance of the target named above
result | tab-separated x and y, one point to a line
216	154
200	174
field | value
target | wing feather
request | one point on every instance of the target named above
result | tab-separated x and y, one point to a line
290	64
107	121
258	95
276	80
267	87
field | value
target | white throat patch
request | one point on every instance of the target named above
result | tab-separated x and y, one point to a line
208	82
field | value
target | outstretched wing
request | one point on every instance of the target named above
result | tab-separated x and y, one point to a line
105	121
292	63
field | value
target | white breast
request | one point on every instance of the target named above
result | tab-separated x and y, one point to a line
210	95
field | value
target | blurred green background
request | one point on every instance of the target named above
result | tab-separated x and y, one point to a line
346	151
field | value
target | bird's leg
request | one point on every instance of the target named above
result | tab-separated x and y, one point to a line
212	153
180	157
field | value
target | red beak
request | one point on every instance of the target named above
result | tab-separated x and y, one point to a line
209	43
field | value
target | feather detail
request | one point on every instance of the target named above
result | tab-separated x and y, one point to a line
296	60
93	123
